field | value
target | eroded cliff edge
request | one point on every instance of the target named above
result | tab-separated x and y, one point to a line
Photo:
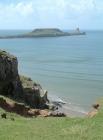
21	95
19	88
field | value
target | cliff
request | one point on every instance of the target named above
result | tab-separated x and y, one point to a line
19	88
20	94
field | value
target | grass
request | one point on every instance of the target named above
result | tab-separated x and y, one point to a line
4	53
51	128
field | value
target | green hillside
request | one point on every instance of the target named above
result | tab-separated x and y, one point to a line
47	32
51	128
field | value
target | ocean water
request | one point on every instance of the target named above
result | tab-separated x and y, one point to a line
70	68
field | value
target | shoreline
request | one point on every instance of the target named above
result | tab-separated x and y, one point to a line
23	89
67	108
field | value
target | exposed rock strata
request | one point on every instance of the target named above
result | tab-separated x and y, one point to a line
19	88
10	84
21	109
30	99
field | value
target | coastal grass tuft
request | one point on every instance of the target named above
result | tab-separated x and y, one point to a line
51	128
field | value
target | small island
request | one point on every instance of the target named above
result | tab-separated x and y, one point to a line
45	32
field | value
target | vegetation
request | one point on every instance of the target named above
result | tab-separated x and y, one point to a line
47	32
51	128
15	127
44	32
4	53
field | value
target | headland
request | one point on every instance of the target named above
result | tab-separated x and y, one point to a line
45	32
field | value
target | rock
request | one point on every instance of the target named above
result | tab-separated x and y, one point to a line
44	113
32	97
57	114
23	110
33	93
20	108
34	112
19	88
10	84
94	112
3	104
53	107
23	90
45	99
95	106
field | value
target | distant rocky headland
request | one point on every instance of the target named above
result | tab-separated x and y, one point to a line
45	32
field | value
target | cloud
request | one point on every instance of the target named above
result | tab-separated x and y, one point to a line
25	9
49	12
15	15
20	8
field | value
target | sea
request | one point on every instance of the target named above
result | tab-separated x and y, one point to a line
70	68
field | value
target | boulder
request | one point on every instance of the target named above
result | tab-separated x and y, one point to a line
33	112
57	114
44	113
95	106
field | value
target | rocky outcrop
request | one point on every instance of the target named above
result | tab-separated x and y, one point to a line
19	108
10	84
57	114
23	110
17	87
94	111
27	97
33	94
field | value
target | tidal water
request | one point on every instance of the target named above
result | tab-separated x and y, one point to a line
70	68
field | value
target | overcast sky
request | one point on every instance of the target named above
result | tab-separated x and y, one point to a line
64	14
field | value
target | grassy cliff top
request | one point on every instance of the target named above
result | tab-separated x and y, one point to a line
47	30
5	54
51	128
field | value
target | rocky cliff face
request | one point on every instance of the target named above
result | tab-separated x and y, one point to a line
10	84
19	88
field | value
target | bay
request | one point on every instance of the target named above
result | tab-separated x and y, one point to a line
68	67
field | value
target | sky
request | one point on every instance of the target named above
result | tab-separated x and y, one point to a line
64	14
